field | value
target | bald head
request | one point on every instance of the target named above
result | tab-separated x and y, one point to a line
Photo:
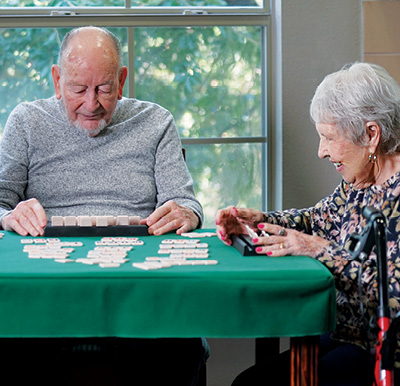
97	40
89	78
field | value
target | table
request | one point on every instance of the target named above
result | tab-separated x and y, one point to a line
240	297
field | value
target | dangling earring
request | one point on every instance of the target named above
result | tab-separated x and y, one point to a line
372	158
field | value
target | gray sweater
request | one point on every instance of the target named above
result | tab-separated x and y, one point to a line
131	167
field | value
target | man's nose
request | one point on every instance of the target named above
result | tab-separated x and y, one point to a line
91	100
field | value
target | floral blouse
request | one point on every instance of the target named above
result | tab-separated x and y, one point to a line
335	218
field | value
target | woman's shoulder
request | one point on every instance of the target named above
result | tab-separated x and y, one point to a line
392	186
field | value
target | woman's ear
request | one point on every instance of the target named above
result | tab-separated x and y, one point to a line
373	135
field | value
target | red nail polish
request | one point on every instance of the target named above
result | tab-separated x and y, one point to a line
255	240
269	253
260	226
259	249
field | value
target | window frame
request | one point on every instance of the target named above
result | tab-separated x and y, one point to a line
131	17
128	8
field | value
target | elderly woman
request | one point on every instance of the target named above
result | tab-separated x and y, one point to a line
357	116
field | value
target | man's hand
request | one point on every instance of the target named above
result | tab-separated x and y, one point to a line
28	218
169	217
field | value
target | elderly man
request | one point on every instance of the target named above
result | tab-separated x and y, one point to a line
90	151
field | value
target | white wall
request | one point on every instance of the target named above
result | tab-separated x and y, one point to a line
318	37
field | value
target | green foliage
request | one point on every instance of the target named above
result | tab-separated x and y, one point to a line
61	3
208	77
25	64
24	69
111	3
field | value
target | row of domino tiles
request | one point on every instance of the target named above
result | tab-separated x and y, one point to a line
99	221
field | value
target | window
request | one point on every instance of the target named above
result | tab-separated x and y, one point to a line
129	4
207	64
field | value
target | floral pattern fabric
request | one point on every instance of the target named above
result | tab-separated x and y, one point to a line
335	218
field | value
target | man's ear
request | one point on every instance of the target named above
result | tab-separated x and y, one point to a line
123	73
56	74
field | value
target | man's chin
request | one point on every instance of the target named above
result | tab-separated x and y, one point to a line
91	131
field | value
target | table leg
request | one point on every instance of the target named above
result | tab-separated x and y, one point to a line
304	361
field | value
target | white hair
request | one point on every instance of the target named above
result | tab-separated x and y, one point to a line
91	132
357	94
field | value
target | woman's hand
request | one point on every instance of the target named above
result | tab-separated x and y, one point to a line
233	221
283	242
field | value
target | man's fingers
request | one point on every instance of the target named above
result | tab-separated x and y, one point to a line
170	217
28	217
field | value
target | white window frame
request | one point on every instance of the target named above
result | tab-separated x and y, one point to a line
127	16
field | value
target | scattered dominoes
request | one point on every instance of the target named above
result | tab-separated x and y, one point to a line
148	265
106	257
169	262
52	242
181	248
49	248
113	241
198	234
173	252
111	252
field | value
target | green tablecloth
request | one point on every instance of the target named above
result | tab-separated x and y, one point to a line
242	297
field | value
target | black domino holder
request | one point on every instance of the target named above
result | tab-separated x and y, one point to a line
96	231
244	245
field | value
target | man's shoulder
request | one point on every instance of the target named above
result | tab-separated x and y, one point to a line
47	104
137	105
128	108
